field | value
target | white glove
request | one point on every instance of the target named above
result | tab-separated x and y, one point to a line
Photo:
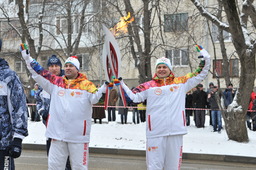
204	53
103	88
25	55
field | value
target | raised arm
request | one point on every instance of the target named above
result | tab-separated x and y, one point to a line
39	74
201	72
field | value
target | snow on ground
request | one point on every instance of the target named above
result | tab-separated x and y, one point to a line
132	136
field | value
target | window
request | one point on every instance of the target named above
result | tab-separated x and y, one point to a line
39	1
84	61
176	22
93	6
62	26
10	1
215	34
233	68
89	24
20	67
7	31
48	27
178	57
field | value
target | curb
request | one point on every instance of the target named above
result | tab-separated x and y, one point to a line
188	156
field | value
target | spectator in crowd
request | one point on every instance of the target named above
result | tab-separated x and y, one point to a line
70	115
13	113
200	103
250	107
188	106
211	85
216	113
113	97
98	111
253	115
135	112
32	101
124	111
142	110
228	95
39	102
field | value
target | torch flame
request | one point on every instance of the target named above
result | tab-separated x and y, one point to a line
121	26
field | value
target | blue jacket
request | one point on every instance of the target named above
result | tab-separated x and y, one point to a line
13	108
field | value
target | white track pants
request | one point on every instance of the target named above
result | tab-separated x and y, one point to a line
164	152
59	152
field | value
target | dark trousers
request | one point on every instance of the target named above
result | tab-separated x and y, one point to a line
188	114
6	162
48	144
210	114
200	118
124	116
135	116
111	114
142	115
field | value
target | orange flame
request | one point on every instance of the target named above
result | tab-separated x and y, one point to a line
121	26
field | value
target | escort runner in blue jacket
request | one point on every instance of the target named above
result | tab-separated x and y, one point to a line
13	115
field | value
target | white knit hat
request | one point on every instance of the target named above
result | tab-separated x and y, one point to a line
73	60
165	61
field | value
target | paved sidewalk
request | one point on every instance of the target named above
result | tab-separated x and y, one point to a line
188	156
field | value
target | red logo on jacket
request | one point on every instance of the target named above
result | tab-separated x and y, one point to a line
61	93
174	88
158	91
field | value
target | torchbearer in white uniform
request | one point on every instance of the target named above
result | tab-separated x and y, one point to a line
166	120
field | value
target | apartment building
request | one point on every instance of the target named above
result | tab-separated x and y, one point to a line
175	25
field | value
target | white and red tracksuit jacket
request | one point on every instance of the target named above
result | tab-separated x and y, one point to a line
71	104
166	101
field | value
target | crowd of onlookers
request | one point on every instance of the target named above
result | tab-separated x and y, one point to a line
199	103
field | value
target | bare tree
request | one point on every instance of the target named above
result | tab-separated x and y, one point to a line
241	26
146	35
71	12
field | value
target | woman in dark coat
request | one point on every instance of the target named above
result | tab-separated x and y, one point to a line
98	111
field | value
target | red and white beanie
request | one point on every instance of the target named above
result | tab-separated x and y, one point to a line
73	60
165	61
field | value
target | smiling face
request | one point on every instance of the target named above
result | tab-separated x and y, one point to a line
70	71
162	71
54	69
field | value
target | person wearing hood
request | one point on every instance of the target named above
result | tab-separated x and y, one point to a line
165	114
13	116
69	120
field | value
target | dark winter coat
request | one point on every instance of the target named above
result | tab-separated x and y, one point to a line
99	112
213	101
13	108
113	97
200	99
189	101
228	96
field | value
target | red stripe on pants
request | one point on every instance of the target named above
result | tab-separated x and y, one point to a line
85	154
